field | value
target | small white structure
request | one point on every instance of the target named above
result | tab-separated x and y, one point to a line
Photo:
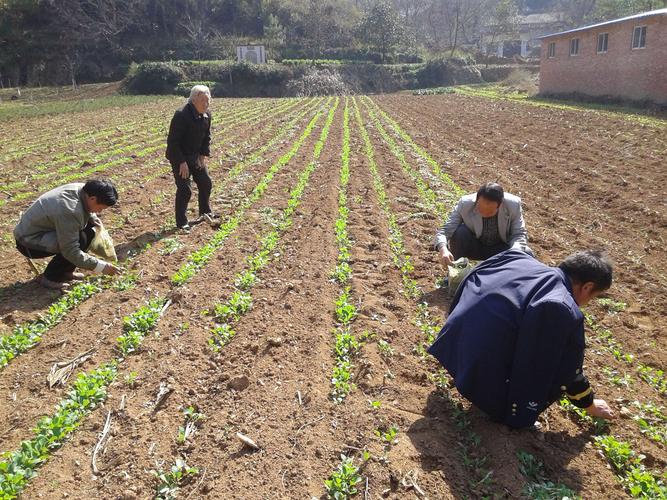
251	53
524	41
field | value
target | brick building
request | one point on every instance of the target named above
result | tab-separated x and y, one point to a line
625	58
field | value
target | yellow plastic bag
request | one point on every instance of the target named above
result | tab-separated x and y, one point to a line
102	245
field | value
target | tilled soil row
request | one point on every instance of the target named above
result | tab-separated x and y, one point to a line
567	464
394	381
155	280
198	377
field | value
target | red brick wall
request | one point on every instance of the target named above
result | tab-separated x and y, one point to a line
620	72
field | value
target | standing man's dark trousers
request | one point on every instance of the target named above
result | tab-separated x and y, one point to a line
464	243
184	190
60	269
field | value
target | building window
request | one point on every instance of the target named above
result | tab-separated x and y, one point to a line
603	42
574	47
639	37
551	50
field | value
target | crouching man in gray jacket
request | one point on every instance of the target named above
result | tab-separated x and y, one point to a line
483	225
61	223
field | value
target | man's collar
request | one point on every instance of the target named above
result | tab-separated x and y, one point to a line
196	114
566	280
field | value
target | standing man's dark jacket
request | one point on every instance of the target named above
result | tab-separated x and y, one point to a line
514	339
189	135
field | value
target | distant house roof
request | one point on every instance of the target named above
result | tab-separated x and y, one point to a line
607	23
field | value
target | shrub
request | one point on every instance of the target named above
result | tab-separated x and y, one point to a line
153	78
445	72
184	88
318	82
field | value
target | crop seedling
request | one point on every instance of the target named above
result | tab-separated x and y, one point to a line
440	379
640	482
598	425
237	305
246	280
538	487
25	336
88	391
385	348
652	421
617	379
169	482
221	335
611	305
125	282
130	379
169	246
138	324
342	273
388	436
340	380
345	311
192	420
343	481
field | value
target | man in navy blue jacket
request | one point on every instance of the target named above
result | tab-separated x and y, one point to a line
514	339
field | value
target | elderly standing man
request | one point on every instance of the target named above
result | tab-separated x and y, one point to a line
62	223
188	146
482	225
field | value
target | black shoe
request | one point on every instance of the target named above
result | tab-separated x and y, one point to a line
185	227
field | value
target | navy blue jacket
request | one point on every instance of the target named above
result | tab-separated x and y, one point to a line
514	339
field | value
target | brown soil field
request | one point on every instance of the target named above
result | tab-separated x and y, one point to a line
587	180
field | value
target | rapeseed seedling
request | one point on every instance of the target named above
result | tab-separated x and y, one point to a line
343	481
169	482
538	487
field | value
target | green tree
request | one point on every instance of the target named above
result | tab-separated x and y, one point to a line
503	21
381	28
606	10
274	34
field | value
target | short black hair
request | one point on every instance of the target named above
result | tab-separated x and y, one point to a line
588	265
491	191
103	190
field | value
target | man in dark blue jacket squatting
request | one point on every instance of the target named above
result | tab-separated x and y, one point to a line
514	338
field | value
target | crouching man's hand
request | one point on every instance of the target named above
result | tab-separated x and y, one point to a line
445	255
111	270
600	408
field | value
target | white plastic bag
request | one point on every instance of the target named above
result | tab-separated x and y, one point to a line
102	245
457	272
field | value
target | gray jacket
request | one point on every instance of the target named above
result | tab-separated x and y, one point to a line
53	223
511	225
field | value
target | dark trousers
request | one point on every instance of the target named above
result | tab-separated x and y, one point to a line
464	243
59	266
184	189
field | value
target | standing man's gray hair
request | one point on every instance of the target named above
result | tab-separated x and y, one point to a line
197	90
